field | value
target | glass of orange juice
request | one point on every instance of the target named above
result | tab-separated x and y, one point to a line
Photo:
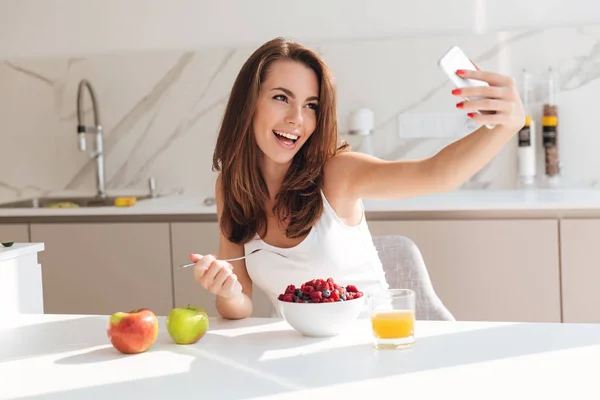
393	318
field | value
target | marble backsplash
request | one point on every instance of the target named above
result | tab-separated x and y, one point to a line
161	110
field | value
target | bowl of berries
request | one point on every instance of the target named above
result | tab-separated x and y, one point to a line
320	308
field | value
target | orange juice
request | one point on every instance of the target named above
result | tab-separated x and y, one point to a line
393	324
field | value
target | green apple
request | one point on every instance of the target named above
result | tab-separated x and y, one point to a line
187	325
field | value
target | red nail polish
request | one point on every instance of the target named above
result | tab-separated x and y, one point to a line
470	115
460	71
456	91
459	105
191	256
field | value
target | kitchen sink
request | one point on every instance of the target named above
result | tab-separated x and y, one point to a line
69	202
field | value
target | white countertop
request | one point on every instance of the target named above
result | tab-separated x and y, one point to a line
458	200
70	357
483	200
19	249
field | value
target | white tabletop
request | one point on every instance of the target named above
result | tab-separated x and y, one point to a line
70	357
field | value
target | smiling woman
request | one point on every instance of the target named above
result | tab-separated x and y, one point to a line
278	131
287	184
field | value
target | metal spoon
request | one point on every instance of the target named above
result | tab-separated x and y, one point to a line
238	258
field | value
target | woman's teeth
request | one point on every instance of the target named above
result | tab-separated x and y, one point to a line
286	135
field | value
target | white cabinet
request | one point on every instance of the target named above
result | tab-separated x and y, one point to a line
102	268
491	270
20	280
202	238
580	269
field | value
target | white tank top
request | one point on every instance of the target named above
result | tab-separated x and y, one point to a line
332	249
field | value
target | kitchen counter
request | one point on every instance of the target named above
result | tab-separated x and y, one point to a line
70	357
543	203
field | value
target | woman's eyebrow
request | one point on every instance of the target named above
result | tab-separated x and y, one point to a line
292	95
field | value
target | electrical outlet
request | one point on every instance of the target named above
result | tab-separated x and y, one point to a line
434	125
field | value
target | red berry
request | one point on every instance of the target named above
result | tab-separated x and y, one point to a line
288	297
280	297
358	294
350	296
299	300
329	300
330	280
315	300
316	295
351	288
336	286
308	289
290	289
334	296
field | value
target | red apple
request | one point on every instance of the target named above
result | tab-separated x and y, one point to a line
132	332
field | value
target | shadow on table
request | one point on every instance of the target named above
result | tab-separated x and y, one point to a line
222	324
77	333
212	346
210	374
205	379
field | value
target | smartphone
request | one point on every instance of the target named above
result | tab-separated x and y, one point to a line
453	60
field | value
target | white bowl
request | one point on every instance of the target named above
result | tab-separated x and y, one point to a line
321	319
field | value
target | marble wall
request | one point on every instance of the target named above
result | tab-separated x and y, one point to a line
161	110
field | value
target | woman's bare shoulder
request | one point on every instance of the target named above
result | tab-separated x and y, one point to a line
337	187
338	170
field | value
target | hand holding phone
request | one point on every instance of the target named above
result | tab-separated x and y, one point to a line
454	60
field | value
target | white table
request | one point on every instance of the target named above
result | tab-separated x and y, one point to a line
70	357
21	290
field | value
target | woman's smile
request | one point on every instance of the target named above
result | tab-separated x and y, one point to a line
287	140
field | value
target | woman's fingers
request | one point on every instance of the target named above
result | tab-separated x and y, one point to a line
201	265
486	105
492	78
490	92
209	275
217	282
494	119
215	276
496	104
231	285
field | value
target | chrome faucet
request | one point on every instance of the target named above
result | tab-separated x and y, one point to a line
82	129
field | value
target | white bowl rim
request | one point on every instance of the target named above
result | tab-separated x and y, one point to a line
329	302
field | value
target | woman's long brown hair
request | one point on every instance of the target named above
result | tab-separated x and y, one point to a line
237	154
